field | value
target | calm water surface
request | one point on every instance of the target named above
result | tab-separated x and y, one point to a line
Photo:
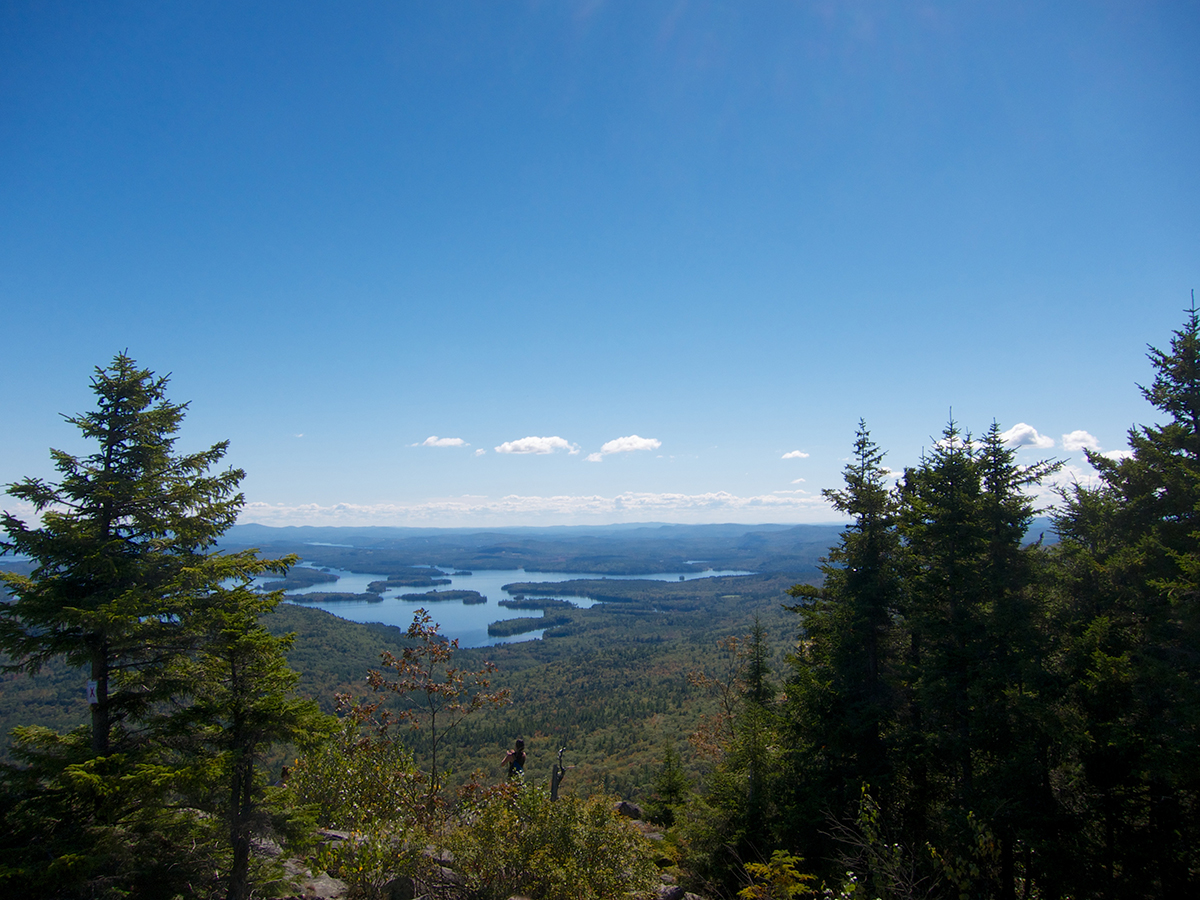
467	623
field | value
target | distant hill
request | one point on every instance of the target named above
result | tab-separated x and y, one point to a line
615	550
639	549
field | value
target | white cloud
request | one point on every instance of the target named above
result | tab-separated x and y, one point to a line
434	441
475	511
298	435
629	444
1079	440
1024	435
26	512
797	481
538	445
480	452
795	454
1071	475
1118	455
625	445
945	443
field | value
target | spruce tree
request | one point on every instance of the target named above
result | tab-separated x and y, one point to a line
122	552
1014	736
1130	556
842	690
128	583
971	729
242	707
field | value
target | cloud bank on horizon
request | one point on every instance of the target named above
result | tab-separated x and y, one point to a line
516	509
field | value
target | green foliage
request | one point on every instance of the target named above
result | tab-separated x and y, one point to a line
189	688
778	879
1027	716
1130	557
735	820
509	627
881	864
467	597
877	863
123	550
671	787
921	664
241	706
842	692
514	841
358	778
368	861
81	826
973	741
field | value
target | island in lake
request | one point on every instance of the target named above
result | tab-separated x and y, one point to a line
299	578
509	627
469	598
413	577
333	597
543	603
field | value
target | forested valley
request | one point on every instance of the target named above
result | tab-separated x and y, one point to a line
942	707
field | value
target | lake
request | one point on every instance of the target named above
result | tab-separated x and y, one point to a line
468	623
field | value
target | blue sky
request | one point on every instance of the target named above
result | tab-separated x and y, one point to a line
727	230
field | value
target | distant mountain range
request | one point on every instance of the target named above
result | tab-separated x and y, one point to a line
644	548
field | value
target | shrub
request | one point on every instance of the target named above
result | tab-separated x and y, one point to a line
778	879
513	839
366	784
356	780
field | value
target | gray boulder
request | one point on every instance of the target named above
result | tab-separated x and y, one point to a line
629	810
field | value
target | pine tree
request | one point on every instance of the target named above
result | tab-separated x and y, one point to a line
1015	733
743	795
973	730
1130	553
671	786
758	689
243	706
127	582
122	552
842	699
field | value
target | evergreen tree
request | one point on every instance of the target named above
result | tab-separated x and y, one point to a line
127	582
758	689
1131	559
1015	734
671	786
842	691
122	552
738	818
243	706
754	750
971	734
945	541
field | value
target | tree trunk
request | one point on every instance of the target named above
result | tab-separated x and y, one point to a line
100	721
239	829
